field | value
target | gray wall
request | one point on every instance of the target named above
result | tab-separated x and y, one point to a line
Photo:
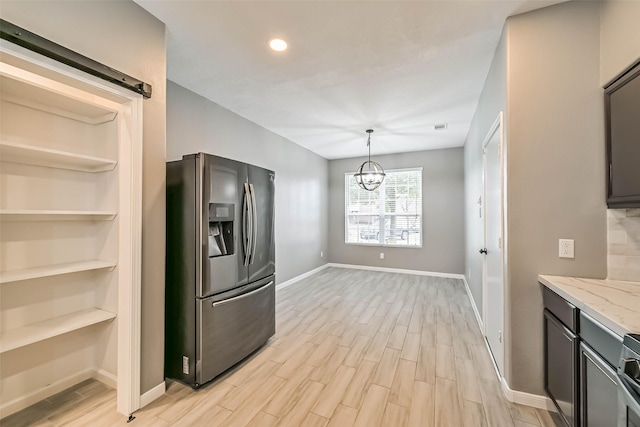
493	99
619	37
555	167
195	124
442	209
126	37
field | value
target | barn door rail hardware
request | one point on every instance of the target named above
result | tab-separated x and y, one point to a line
36	43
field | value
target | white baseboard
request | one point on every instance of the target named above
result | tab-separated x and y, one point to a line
18	404
473	305
522	398
152	394
300	277
534	400
397	270
107	378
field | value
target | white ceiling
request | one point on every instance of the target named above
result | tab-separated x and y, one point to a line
394	66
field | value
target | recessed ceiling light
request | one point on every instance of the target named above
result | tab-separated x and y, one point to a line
278	45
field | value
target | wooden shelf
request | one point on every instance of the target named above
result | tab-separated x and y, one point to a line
53	270
13	215
32	95
32	155
35	332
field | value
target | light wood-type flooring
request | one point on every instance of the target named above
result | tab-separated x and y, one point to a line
352	348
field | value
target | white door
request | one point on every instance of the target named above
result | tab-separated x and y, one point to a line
493	243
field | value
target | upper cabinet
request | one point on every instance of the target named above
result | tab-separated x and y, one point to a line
622	107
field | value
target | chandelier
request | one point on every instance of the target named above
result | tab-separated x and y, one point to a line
370	174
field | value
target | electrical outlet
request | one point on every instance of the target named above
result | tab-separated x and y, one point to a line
566	248
381	255
321	254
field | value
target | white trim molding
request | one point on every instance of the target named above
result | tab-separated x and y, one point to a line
152	394
522	398
473	305
396	270
22	402
300	277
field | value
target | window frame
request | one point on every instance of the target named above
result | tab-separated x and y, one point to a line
383	216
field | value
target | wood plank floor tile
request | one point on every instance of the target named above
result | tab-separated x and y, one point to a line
325	372
447	404
473	414
206	414
262	419
395	415
303	406
387	367
290	367
411	348
357	350
524	413
278	404
359	384
334	392
445	363
352	347
397	337
495	405
468	385
248	409
211	393
402	385
373	407
239	395
375	349
426	367
314	420
343	416
423	402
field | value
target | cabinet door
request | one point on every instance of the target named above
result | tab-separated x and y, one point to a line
560	373
598	390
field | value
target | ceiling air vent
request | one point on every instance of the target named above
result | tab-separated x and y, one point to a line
441	126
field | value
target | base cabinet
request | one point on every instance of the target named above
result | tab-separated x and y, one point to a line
560	351
598	390
580	355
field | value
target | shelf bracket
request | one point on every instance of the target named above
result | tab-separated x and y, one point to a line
36	43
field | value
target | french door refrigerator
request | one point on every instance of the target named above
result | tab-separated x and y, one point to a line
220	265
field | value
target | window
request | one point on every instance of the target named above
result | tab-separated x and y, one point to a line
391	215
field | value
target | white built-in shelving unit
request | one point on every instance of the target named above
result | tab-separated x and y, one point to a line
70	197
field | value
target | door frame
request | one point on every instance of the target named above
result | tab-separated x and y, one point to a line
497	126
129	314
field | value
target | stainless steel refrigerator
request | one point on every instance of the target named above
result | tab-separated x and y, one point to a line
220	265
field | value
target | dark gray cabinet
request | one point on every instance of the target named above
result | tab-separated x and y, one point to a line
560	361
579	359
598	390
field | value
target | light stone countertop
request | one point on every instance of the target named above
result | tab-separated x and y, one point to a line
614	303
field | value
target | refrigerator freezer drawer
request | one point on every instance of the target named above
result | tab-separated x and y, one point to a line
232	329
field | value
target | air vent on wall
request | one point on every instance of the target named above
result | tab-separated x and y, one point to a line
441	126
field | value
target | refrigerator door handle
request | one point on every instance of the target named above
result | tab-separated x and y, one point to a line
242	296
247	220
254	210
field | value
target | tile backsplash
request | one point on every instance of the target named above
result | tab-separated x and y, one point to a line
623	244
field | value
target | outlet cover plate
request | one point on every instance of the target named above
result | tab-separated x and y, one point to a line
566	248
